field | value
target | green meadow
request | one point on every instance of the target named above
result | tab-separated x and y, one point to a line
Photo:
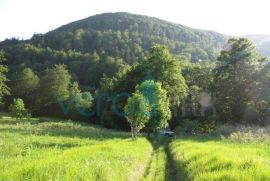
210	159
51	149
64	150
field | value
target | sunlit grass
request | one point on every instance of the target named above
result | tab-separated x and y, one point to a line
202	159
69	151
158	167
65	150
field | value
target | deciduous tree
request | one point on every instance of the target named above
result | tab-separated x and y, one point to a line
137	112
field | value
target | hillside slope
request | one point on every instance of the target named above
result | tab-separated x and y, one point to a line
129	36
103	44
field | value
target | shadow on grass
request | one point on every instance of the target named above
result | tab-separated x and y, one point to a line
175	170
182	172
158	146
162	143
63	129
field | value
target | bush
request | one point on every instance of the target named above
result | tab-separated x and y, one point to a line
244	134
207	125
202	126
188	126
18	110
111	120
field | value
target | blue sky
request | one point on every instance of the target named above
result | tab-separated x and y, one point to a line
22	18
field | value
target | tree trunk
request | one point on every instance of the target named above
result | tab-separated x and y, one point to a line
148	132
132	131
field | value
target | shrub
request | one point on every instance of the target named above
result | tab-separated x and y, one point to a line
207	125
203	126
188	126
250	134
18	109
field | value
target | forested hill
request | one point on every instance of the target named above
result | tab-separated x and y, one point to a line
104	44
129	36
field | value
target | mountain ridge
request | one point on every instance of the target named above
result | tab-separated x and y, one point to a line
130	36
143	31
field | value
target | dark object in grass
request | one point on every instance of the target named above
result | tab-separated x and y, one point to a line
166	133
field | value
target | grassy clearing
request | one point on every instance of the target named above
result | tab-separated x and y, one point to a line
206	159
69	151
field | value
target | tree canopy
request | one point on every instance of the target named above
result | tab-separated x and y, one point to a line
4	90
236	79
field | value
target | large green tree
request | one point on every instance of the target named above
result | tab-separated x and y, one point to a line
159	103
54	85
259	107
199	74
24	85
199	78
79	103
235	79
161	67
137	112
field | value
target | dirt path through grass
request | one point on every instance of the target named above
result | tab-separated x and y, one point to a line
161	166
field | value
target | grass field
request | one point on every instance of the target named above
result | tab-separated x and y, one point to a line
65	150
209	160
69	151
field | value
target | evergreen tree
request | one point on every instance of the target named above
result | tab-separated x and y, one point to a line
235	77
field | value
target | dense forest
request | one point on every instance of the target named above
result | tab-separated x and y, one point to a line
98	68
104	43
128	36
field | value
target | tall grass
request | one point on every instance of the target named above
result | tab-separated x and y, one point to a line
209	160
69	151
244	134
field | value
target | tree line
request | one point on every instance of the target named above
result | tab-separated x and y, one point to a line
160	87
